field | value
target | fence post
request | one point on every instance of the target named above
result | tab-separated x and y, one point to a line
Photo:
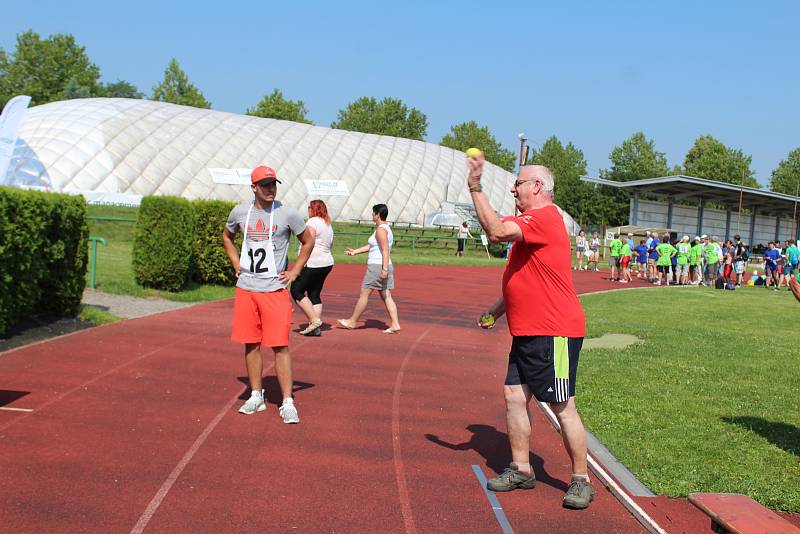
93	260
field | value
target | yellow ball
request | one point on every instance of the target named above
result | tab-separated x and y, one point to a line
473	152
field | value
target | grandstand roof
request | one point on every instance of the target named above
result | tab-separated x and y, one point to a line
707	190
129	148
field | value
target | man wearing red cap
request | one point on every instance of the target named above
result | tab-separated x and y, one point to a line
545	320
262	311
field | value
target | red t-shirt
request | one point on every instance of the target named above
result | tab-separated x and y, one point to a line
537	284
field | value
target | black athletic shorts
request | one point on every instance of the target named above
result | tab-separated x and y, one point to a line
310	281
664	268
547	364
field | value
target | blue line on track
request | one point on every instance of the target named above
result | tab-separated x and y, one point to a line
505	526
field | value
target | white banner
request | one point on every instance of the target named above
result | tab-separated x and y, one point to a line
335	188
230	176
10	121
484	241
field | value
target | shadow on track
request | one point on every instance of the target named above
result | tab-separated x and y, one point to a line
494	447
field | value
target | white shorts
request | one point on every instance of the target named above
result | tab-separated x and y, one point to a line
739	267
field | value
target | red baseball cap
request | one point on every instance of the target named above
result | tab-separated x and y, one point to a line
262	172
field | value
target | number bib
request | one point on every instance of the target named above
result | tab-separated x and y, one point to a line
258	260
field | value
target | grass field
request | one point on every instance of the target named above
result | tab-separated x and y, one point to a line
708	401
412	246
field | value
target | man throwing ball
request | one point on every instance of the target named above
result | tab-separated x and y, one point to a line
262	311
546	322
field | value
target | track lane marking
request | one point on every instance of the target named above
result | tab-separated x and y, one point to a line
497	508
8	409
161	494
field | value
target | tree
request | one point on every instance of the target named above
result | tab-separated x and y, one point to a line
47	69
469	134
275	106
387	117
177	89
786	176
121	89
710	159
636	158
567	164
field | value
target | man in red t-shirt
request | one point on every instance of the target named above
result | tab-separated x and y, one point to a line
546	322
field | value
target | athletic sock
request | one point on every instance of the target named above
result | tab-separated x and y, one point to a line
524	468
584	477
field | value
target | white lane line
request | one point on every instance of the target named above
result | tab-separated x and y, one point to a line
622	496
505	526
147	515
6	408
173	476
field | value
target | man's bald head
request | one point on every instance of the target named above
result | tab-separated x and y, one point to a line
541	173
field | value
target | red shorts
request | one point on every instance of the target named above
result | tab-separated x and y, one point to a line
264	318
625	261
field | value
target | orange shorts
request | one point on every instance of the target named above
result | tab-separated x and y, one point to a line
264	318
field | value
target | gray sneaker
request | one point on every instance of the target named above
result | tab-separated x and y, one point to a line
579	494
288	412
254	404
511	479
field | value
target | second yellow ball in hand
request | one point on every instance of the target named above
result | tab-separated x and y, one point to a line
473	152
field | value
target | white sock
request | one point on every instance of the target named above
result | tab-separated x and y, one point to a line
585	477
288	400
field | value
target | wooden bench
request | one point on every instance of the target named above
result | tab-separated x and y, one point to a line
734	513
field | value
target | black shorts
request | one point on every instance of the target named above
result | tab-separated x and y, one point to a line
663	268
548	365
310	281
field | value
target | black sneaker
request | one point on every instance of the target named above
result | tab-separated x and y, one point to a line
511	479
579	494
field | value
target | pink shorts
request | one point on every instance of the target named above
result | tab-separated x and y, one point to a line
264	318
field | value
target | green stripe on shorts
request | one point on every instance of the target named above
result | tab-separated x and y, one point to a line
561	356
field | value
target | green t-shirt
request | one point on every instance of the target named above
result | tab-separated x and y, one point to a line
625	250
665	251
683	253
711	253
615	245
696	255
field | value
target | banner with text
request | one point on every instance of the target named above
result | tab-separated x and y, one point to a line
336	188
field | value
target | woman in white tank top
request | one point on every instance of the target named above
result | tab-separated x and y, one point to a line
306	290
380	271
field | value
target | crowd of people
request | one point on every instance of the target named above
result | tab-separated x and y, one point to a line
704	260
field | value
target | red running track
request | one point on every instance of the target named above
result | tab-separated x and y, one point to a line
134	425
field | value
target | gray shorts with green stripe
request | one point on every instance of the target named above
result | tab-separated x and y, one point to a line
548	365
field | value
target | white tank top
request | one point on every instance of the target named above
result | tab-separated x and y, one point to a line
375	256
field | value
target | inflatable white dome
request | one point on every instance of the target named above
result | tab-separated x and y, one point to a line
118	150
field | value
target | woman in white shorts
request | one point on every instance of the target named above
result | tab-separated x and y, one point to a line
580	249
380	271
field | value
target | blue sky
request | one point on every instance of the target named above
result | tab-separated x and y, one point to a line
588	72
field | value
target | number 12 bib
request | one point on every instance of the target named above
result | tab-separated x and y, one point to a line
258	260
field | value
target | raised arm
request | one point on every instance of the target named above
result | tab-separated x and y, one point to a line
496	230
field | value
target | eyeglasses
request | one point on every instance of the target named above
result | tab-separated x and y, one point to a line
518	183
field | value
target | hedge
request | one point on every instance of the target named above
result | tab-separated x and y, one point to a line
43	254
162	243
211	263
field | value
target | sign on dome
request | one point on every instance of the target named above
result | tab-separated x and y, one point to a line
230	176
336	188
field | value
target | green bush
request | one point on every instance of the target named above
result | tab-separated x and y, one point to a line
498	250
43	254
211	263
162	243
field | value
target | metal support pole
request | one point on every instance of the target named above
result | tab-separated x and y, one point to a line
634	218
670	207
777	227
727	222
753	212
93	260
700	209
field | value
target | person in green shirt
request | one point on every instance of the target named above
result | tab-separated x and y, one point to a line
616	246
696	261
712	258
684	249
626	254
664	263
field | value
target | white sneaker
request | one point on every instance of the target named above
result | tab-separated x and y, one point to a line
288	412
254	404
